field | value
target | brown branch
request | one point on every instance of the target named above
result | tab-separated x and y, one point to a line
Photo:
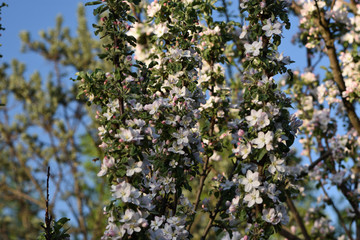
297	216
217	207
48	216
22	195
313	164
327	36
205	170
342	222
285	233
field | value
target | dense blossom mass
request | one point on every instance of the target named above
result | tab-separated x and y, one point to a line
169	116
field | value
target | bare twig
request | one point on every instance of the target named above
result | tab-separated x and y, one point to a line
297	216
285	233
48	216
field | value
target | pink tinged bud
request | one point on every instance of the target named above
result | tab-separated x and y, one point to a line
154	140
85	90
163	122
232	208
102	19
167	142
227	203
120	140
97	117
144	224
191	178
164	4
245	237
114	117
241	133
82	80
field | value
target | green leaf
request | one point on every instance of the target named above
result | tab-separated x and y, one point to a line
93	3
261	154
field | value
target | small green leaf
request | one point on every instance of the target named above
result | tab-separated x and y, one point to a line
261	154
92	3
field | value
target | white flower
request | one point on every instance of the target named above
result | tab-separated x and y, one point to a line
270	190
113	105
108	114
129	135
157	222
243	32
173	163
276	165
307	103
91	97
176	148
127	217
251	181
216	156
253	197
264	139
102	131
253	48
254	115
188	2
235	236
308	77
107	163
153	8
152	108
134	167
122	191
263	120
161	29
258	119
270	216
182	136
271	29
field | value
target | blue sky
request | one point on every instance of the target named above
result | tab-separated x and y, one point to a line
33	16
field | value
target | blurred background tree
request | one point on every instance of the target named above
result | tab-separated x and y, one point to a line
41	124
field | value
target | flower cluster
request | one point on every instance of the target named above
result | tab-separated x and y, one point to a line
166	118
